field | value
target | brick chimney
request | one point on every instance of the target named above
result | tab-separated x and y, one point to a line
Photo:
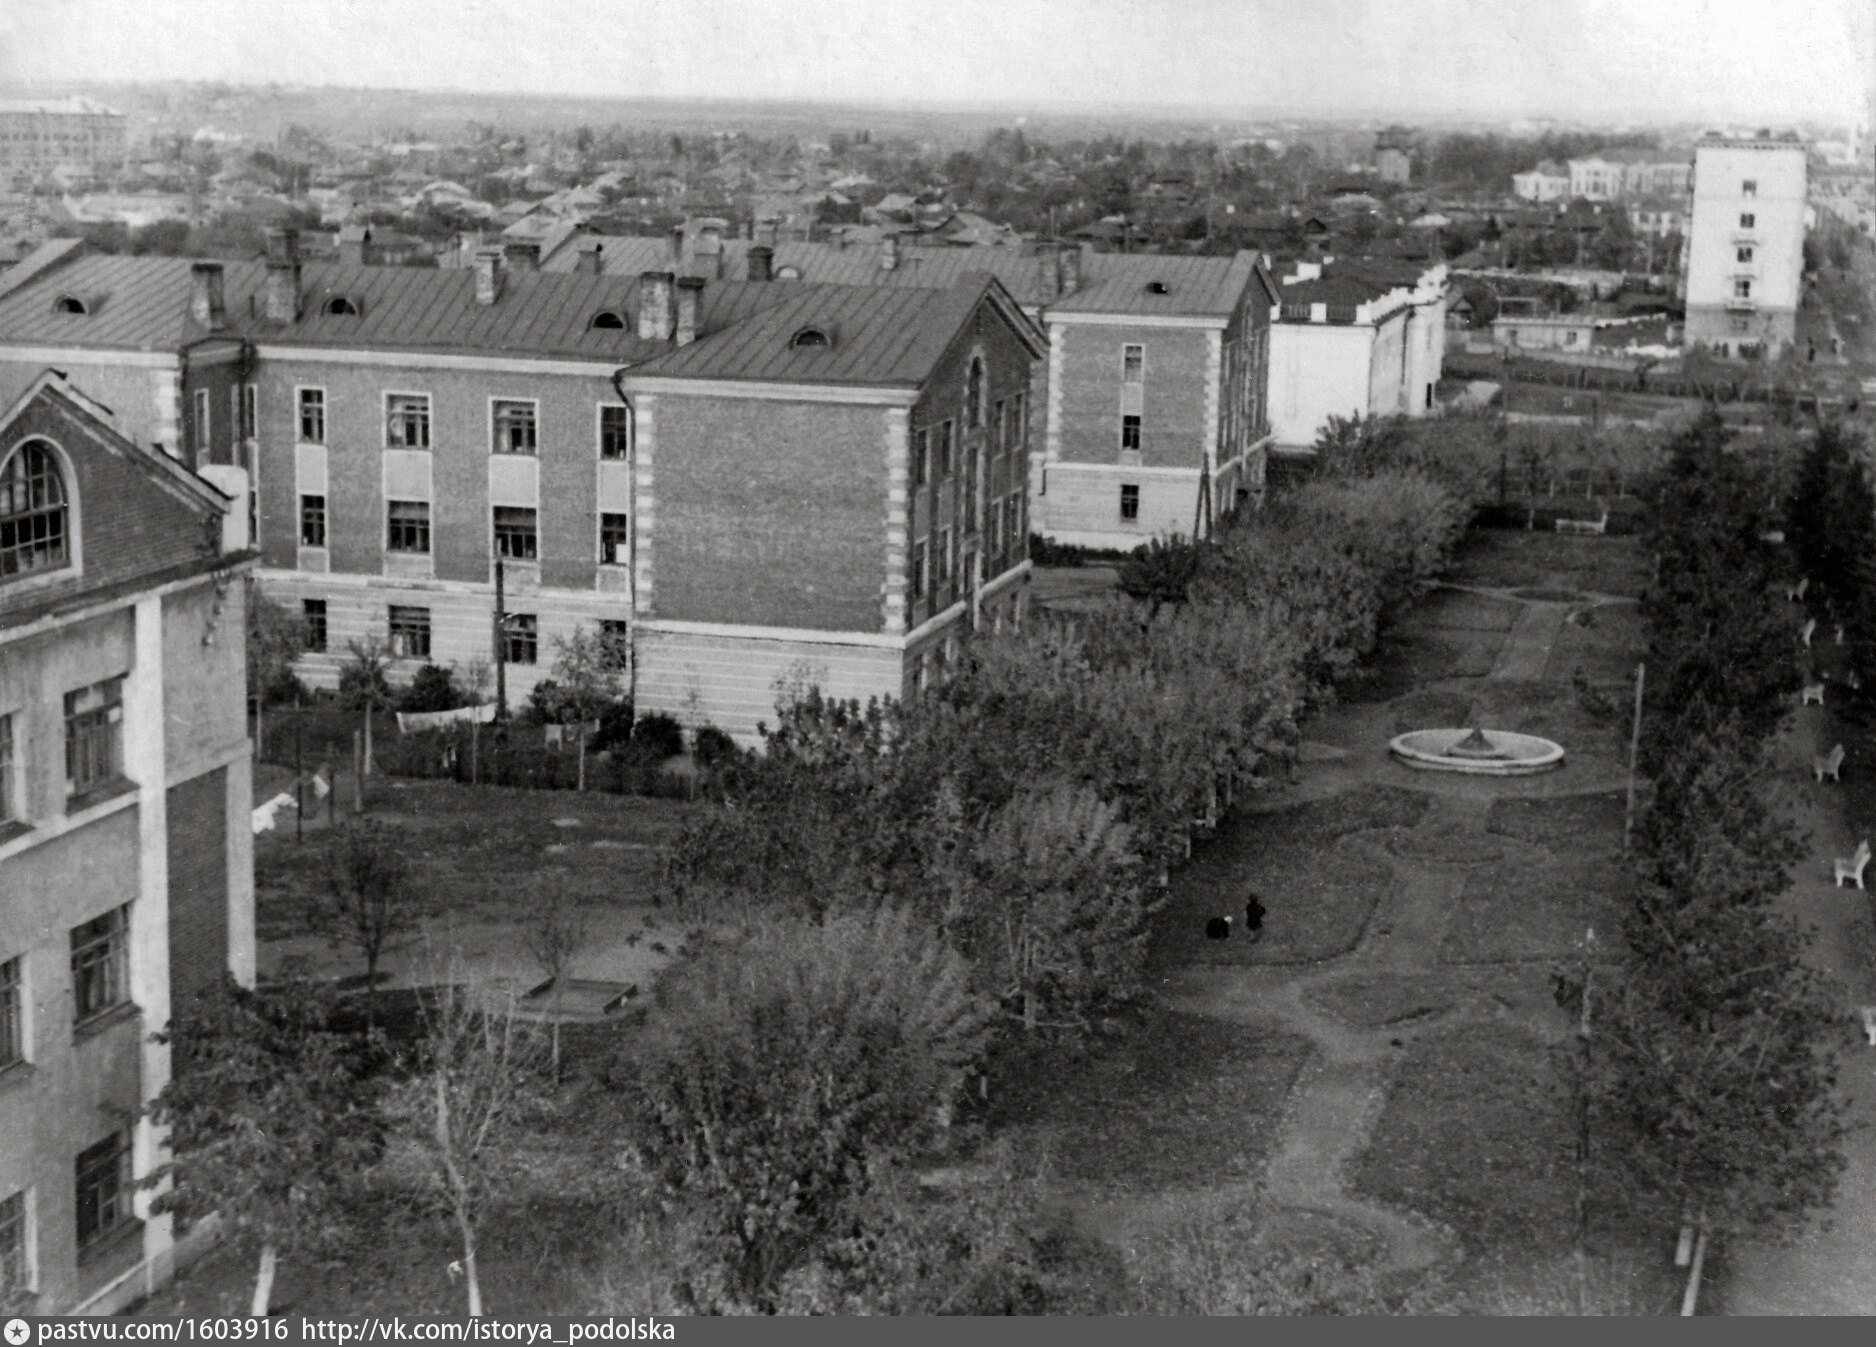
689	294
488	265
768	231
677	248
205	296
657	316
280	291
587	261
761	263
889	253
520	255
1071	268
355	246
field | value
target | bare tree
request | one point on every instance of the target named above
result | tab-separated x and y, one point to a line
587	671
369	898
556	933
478	1075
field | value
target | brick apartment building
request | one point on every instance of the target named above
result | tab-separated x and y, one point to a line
126	874
1156	379
406	428
39	134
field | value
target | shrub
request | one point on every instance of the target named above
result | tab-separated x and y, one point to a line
615	726
711	746
791	1060
432	689
658	733
544	702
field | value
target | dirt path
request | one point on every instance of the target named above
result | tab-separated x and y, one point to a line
1337	1102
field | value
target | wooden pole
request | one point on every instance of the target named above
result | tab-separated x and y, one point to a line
1634	751
1582	1133
358	772
501	646
299	783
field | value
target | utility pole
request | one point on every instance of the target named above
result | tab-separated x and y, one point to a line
501	645
1634	745
1582	1130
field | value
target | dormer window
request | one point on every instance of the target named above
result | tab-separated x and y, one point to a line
1157	288
70	304
606	319
788	273
35	532
340	306
974	394
809	337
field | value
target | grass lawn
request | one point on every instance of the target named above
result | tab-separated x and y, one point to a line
1513	559
1516	911
1381	1000
1554	711
1455	610
1571	823
1172	1101
1412	657
1604	642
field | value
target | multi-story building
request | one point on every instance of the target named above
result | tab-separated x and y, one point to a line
1629	171
39	134
1156	382
415	436
1549	181
126	875
1355	337
1393	154
1745	252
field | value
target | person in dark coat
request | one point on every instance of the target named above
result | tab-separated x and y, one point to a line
1254	916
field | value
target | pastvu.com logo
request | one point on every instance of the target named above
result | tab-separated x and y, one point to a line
16	1332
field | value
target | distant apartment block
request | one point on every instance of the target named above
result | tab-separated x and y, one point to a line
37	135
1393	154
126	874
1745	254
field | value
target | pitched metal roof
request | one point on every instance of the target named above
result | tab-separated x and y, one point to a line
1200	286
874	335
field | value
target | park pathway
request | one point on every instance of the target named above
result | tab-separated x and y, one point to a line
1831	1268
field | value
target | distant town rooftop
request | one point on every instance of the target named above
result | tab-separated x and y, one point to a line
77	104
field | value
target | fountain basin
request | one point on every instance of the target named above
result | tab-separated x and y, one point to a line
1476	752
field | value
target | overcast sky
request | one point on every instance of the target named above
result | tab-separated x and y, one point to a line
1737	59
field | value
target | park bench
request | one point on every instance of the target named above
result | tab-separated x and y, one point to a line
1809	629
1869	1024
1596	526
1851	867
1828	764
1796	592
1811	692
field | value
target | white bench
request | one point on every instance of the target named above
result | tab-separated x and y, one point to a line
1796	592
1811	692
1810	629
1840	633
1869	1024
1597	526
1828	765
1851	867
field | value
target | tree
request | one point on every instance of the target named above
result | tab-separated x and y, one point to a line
369	894
276	638
363	685
587	679
271	1112
792	1063
1160	572
555	933
476	1078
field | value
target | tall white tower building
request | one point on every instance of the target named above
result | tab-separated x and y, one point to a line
1745	255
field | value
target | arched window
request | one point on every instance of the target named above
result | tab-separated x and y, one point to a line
974	394
808	336
34	523
339	305
1157	288
788	273
606	318
70	304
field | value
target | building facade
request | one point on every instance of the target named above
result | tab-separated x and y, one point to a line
1549	181
37	135
126	874
1355	338
1745	252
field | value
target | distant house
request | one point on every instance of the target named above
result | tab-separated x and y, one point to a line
1567	333
1549	181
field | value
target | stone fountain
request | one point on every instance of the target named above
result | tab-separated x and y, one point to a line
1477	752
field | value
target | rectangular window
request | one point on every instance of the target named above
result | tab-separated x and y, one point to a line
1130	501
201	420
16	1272
1749	187
105	1186
314	613
100	964
1742	289
94	723
1744	254
615	634
921	458
1019	422
407	420
941	564
12	1024
407	526
410	633
513	431
943	465
9	806
1747	220
312	521
312	415
615	539
919	552
615	431
524	638
516	537
995	541
1130	433
250	411
1132	363
1018	539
